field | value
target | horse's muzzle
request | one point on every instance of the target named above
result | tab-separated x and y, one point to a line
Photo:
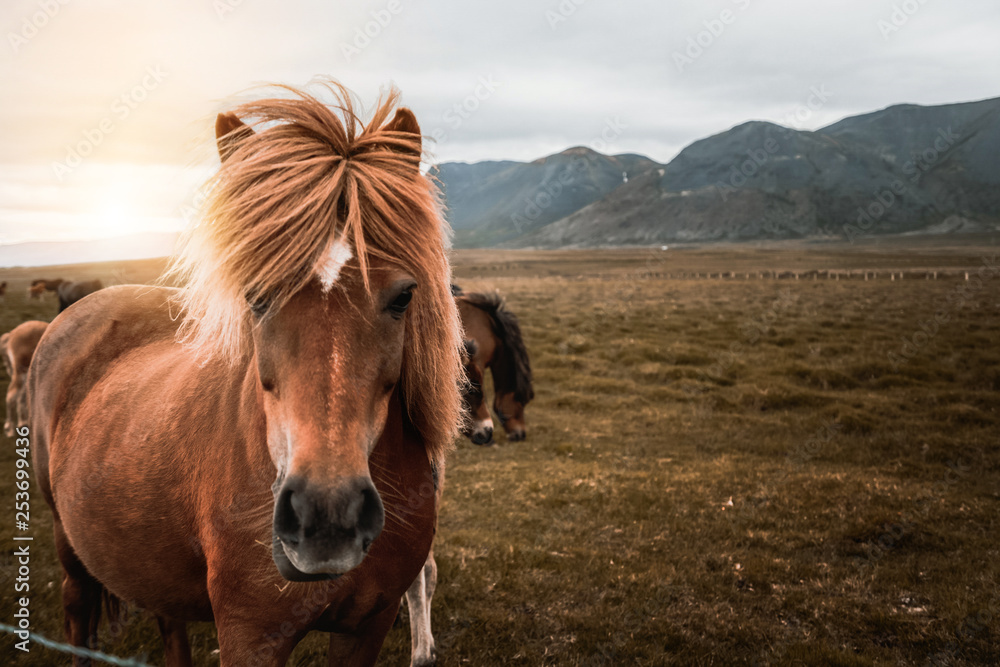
482	432
323	531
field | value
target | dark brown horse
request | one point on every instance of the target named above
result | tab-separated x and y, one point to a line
17	347
499	346
259	448
69	292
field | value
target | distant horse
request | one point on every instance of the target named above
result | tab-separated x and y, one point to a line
274	428
17	347
3	291
36	291
41	285
499	347
71	292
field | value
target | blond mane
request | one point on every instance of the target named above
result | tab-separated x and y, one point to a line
312	175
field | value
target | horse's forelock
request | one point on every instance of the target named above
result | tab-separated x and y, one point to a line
310	176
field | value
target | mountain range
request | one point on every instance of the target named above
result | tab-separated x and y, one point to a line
904	169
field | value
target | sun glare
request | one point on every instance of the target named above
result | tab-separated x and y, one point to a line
114	219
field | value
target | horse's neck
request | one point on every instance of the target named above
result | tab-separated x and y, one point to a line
501	366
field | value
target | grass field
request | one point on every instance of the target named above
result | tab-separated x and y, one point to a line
717	472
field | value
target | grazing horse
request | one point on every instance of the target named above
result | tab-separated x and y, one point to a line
17	348
477	426
269	434
42	285
3	291
499	347
71	292
36	291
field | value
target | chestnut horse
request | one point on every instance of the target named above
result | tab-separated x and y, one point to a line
40	286
260	448
499	347
17	347
36	291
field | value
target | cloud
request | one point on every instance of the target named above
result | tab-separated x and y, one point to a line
561	78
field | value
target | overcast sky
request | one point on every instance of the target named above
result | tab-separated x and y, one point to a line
138	82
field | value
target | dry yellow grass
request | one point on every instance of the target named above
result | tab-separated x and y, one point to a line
716	471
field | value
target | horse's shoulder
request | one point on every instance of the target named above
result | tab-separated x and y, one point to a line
109	322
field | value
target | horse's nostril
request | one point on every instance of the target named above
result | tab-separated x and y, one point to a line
371	517
286	519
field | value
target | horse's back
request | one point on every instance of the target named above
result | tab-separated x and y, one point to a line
21	343
80	346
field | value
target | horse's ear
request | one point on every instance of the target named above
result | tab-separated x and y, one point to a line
405	121
230	131
470	348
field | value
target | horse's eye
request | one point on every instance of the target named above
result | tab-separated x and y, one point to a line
259	307
400	303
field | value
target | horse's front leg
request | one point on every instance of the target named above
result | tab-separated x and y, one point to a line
176	648
418	599
361	649
250	642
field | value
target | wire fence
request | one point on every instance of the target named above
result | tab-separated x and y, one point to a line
74	650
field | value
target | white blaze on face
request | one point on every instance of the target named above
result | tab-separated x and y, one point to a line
329	266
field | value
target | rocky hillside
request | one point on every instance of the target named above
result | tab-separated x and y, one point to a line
905	169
